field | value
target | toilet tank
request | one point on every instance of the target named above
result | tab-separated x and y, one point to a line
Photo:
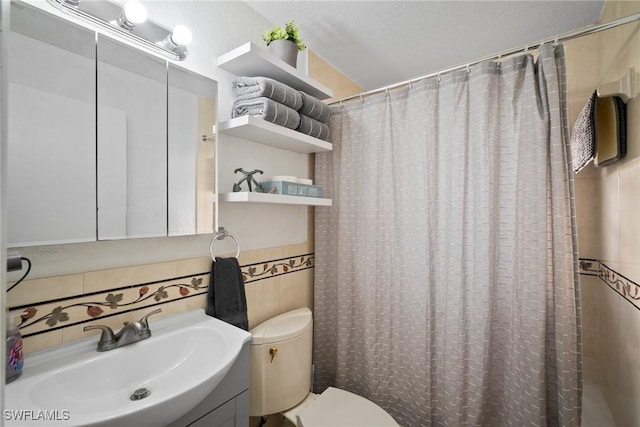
280	375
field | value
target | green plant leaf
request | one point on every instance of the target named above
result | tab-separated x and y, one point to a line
289	32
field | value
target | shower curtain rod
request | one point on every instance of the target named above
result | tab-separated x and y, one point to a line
585	31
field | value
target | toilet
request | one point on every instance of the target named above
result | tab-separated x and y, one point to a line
280	379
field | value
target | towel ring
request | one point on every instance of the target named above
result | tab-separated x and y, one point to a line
220	236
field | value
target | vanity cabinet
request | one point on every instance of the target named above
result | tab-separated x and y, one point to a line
251	60
228	404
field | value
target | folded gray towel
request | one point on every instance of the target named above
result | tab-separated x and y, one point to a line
268	110
313	128
256	87
314	108
583	137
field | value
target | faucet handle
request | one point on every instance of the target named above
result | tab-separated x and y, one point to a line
145	322
107	338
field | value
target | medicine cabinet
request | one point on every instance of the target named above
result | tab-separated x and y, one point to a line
104	141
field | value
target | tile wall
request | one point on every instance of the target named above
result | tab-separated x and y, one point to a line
54	310
608	205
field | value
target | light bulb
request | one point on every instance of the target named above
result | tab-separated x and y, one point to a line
135	12
181	35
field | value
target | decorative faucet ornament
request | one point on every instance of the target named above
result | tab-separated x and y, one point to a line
248	177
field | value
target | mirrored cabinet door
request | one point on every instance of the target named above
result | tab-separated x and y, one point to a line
132	142
51	192
191	147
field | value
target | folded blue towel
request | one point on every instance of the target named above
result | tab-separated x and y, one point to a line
263	87
314	108
268	110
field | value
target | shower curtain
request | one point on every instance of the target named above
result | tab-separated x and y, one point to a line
446	284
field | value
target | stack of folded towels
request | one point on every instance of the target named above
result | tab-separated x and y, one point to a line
280	104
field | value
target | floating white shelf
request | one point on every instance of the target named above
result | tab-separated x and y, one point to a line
252	60
247	197
264	132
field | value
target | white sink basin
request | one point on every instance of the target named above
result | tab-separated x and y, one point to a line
184	360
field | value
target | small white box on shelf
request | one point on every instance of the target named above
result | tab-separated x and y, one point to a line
292	189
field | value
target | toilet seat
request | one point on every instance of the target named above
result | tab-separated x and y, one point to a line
338	408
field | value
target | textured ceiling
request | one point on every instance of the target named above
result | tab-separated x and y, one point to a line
377	43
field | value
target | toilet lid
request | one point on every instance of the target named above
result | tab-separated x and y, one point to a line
339	408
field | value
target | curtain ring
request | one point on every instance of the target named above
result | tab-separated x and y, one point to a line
361	99
438	77
468	68
386	90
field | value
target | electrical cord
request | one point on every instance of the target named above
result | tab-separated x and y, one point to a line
24	275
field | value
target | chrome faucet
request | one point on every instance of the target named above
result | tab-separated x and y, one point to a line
130	333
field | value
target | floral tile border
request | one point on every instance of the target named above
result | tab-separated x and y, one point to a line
624	286
266	269
51	315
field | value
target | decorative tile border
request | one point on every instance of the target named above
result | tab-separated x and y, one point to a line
54	314
51	315
278	267
624	286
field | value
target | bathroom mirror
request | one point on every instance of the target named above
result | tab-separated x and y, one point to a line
132	142
191	147
104	141
51	191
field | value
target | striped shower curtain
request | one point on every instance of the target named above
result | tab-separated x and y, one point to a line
446	284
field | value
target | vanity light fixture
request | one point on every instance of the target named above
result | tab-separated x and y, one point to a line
178	40
131	23
133	13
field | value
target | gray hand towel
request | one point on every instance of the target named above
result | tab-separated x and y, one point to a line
314	108
226	299
268	110
263	87
313	128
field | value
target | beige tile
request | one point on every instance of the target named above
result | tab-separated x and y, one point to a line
633	126
629	7
609	210
582	61
589	171
193	266
296	290
629	196
41	342
107	279
326	74
627	52
44	289
587	217
262	301
609	46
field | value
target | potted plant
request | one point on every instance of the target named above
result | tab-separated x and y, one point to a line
285	42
